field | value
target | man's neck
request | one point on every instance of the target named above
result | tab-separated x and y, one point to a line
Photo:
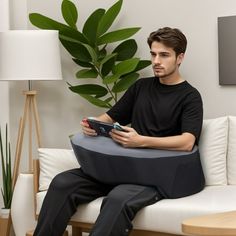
172	80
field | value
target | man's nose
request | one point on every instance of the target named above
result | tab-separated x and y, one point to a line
156	60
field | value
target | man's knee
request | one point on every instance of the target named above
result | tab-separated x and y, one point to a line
120	199
131	198
62	180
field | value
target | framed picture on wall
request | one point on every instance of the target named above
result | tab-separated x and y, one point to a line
227	50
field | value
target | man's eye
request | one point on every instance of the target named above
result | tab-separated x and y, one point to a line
164	55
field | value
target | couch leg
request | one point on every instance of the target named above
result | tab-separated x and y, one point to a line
76	231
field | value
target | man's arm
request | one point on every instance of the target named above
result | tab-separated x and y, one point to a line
105	118
183	142
131	138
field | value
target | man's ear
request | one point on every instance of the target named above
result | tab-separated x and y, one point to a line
180	58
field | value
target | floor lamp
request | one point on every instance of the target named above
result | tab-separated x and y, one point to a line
29	55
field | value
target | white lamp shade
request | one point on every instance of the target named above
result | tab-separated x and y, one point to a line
30	55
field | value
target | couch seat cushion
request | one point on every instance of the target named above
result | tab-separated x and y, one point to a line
167	215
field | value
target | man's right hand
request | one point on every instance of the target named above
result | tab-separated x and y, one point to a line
86	128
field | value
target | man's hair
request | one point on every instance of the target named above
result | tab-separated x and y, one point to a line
170	37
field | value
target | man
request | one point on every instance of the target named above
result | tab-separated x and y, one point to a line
165	112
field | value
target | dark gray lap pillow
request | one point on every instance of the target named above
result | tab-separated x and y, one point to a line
175	173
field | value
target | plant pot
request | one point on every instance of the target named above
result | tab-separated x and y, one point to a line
4	213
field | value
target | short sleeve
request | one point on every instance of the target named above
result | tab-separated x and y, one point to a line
192	116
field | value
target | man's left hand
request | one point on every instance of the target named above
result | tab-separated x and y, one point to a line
128	138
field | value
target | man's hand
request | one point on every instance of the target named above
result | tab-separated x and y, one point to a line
86	128
130	139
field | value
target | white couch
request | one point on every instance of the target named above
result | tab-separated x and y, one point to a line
218	156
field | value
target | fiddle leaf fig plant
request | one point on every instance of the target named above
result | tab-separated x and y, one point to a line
5	153
92	49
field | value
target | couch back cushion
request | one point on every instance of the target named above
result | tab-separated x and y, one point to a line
213	150
231	157
52	162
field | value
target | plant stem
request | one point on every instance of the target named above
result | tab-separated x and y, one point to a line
114	98
109	90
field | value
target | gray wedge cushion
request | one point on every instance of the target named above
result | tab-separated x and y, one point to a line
175	173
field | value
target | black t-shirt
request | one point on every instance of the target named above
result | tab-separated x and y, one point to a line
160	110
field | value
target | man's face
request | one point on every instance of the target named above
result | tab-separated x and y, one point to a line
164	61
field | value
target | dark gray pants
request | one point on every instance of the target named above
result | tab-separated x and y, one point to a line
73	187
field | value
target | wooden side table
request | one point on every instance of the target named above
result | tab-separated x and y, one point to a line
220	224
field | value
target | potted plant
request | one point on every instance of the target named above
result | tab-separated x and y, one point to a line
92	49
6	190
5	152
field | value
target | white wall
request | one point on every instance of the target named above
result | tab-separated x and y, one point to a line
61	111
4	91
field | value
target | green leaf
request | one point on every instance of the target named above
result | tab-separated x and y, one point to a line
142	64
77	50
1	148
69	13
126	66
96	101
87	73
111	79
92	53
102	53
108	99
82	63
5	153
91	25
90	89
72	35
117	35
44	22
107	64
126	50
122	68
125	82
109	17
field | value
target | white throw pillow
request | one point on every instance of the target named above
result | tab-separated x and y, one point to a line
213	148
231	157
52	162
